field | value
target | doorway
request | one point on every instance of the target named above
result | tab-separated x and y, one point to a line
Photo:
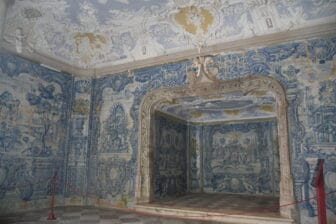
238	92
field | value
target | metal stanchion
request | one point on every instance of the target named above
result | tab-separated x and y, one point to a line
51	215
318	183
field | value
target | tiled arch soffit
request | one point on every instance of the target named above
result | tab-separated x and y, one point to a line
202	86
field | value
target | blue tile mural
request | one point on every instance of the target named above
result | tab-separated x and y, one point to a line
170	157
241	158
305	68
113	129
34	119
115	132
111	167
36	105
77	158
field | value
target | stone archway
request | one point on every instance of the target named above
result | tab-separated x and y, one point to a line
206	87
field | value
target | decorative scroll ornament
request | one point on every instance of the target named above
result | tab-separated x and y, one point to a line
202	70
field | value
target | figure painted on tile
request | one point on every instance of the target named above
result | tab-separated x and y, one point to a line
115	131
233	162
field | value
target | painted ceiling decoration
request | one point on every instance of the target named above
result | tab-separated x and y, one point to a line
233	106
98	33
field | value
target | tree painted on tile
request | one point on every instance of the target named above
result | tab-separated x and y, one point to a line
48	105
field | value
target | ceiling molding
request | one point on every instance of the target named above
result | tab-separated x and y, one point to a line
224	47
171	116
176	118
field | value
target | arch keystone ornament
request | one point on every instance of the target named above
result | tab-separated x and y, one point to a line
203	83
201	71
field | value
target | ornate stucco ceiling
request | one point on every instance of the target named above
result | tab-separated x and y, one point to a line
99	33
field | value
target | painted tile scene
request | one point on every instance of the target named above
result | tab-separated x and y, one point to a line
166	111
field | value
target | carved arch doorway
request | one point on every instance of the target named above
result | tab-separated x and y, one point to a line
246	85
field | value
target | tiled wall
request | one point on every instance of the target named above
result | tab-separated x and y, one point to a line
224	157
170	157
241	158
234	157
34	119
307	70
77	160
115	104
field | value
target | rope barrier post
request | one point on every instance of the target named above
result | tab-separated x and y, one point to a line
51	215
318	183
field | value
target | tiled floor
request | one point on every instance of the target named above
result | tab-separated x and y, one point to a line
89	215
216	203
223	203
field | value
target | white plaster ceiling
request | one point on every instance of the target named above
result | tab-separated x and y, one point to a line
99	33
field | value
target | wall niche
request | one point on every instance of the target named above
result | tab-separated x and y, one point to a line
215	137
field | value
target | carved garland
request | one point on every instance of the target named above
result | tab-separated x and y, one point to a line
247	85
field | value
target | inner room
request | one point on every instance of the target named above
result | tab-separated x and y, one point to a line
199	149
220	157
216	155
